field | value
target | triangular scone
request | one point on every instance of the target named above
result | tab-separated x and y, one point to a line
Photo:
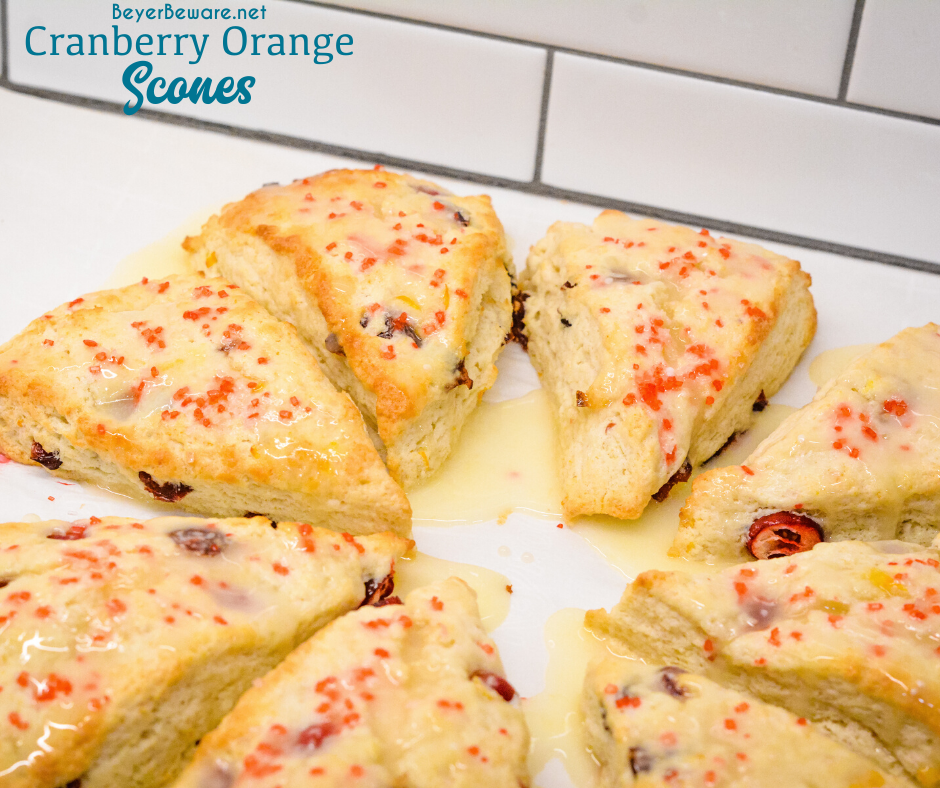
408	695
859	462
401	288
654	342
651	726
123	642
186	390
846	635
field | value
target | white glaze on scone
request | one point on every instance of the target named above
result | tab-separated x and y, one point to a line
185	390
655	341
847	635
122	642
860	460
401	288
410	695
651	726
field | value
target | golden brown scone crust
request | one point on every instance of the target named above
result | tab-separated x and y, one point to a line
123	642
860	460
187	383
654	341
404	695
846	635
400	288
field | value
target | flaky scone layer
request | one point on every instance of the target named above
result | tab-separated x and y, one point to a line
846	635
123	642
654	342
408	695
186	390
661	726
860	460
401	289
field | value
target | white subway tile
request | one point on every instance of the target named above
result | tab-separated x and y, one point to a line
742	155
897	60
409	91
793	44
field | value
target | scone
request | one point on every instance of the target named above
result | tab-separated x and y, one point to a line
846	635
654	343
859	462
124	642
408	695
652	726
401	288
185	390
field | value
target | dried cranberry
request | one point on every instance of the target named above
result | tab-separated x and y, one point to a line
640	760
47	459
682	475
315	735
517	332
759	612
75	532
461	219
170	492
249	515
667	679
782	534
332	344
760	403
496	683
402	324
4	582
462	377
582	399
202	541
377	591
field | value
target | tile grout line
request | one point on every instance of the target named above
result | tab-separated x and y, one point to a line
838	102
850	49
3	41
543	114
537	189
738	83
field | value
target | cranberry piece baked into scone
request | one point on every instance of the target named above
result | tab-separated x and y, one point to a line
123	642
846	635
401	288
652	726
859	462
185	390
654	343
409	695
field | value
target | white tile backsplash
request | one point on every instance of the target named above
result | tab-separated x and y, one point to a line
732	153
793	44
897	59
471	102
408	91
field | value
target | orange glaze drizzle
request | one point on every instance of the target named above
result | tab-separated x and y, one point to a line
672	363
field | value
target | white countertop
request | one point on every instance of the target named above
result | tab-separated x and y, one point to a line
81	189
